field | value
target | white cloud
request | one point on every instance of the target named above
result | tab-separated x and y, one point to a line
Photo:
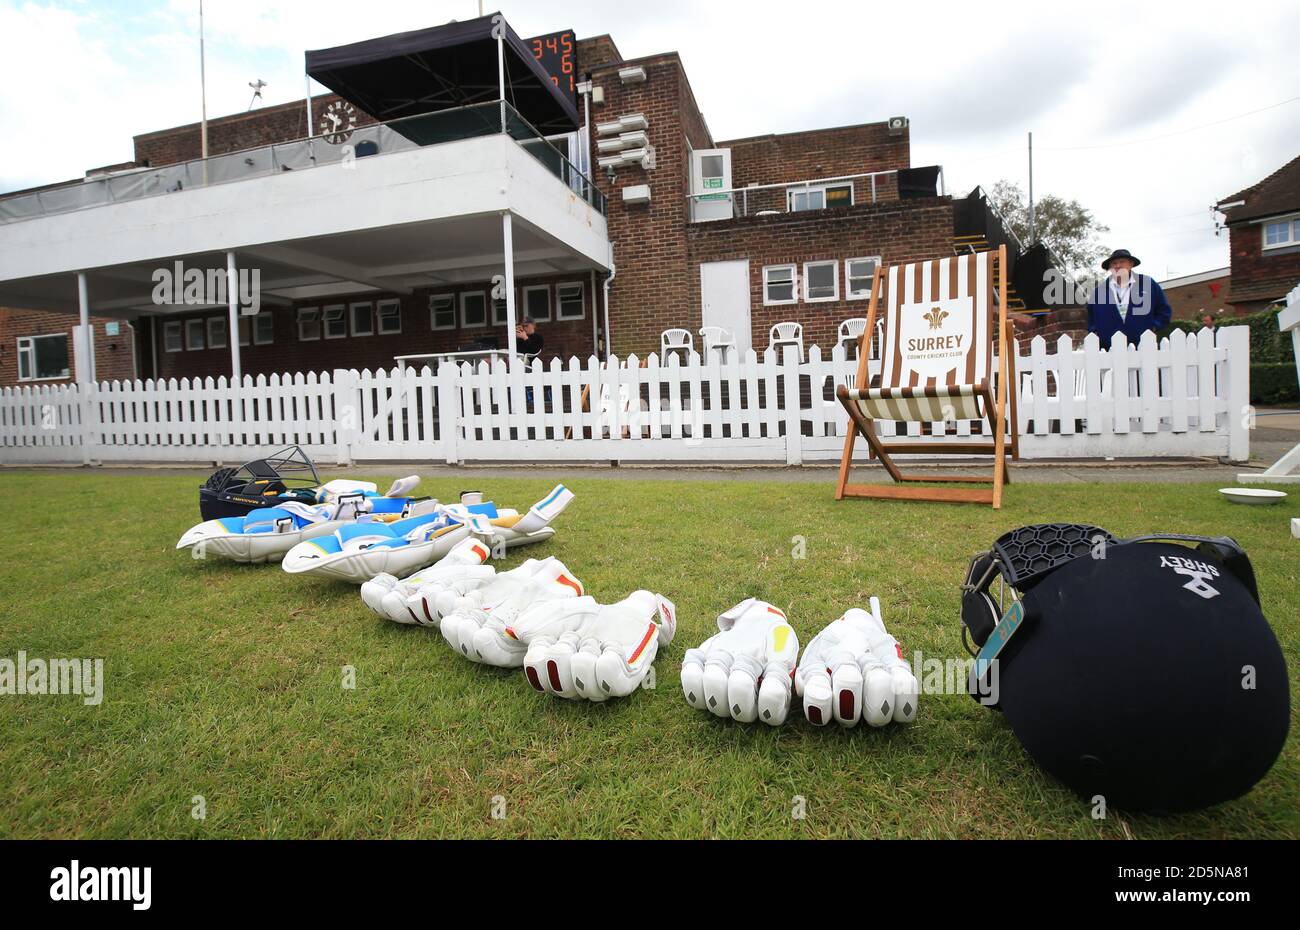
80	78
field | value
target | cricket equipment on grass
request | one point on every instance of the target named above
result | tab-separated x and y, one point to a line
942	320
746	670
265	534
285	476
480	624
359	553
1139	670
855	670
424	597
586	651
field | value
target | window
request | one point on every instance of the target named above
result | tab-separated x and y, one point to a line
537	301
779	285
308	324
442	311
568	301
262	327
41	357
193	335
173	340
819	198
335	322
821	281
388	314
499	311
216	332
858	275
363	320
1281	233
473	309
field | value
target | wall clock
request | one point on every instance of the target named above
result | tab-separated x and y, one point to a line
338	122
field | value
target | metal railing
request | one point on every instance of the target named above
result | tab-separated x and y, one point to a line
756	199
374	140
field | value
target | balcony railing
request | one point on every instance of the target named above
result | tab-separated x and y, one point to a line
377	139
799	196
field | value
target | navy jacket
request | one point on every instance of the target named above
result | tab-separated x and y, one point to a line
1147	309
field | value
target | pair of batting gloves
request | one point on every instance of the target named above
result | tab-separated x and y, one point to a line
751	669
536	617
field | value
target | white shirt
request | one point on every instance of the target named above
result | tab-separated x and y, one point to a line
1120	295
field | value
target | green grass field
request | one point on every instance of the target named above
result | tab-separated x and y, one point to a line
224	680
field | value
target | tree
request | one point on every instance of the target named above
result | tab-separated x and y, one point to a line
1065	226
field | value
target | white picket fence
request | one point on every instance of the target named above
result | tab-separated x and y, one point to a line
1181	396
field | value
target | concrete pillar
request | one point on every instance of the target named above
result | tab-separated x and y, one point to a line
232	302
507	235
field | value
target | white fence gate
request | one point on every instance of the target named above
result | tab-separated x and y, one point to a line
1187	395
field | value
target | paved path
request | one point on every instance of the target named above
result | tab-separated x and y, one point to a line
1276	432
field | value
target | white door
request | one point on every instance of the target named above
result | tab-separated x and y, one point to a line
724	292
710	172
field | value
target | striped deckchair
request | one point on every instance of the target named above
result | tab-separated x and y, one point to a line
937	367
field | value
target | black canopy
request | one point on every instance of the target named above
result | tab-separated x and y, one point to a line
429	70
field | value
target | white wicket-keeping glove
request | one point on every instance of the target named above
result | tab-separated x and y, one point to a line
480	624
855	669
582	650
744	672
424	597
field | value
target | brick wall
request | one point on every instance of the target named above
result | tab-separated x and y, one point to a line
651	289
1259	278
1192	301
281	123
562	337
596	51
910	230
822	153
114	355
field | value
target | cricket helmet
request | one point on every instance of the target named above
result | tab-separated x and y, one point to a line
1140	670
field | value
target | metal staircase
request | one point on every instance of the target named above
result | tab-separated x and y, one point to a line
970	244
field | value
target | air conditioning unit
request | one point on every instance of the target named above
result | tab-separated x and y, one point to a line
612	128
897	124
632	75
624	140
643	156
633	121
636	194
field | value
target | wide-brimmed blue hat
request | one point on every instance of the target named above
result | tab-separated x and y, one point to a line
1121	253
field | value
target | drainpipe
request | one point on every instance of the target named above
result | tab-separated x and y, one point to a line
609	279
586	131
595	317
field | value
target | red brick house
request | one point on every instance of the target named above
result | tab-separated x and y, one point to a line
1264	239
1192	296
645	223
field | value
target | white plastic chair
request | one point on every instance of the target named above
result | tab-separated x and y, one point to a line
676	340
715	337
851	331
786	334
877	340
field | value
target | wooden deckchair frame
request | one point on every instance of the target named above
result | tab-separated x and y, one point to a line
995	410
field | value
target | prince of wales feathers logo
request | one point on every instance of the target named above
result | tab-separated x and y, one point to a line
936	317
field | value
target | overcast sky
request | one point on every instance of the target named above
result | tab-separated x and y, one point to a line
1146	113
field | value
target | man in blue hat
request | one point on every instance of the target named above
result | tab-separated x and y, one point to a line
1126	302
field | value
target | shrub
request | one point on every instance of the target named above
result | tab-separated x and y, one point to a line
1268	345
1274	383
